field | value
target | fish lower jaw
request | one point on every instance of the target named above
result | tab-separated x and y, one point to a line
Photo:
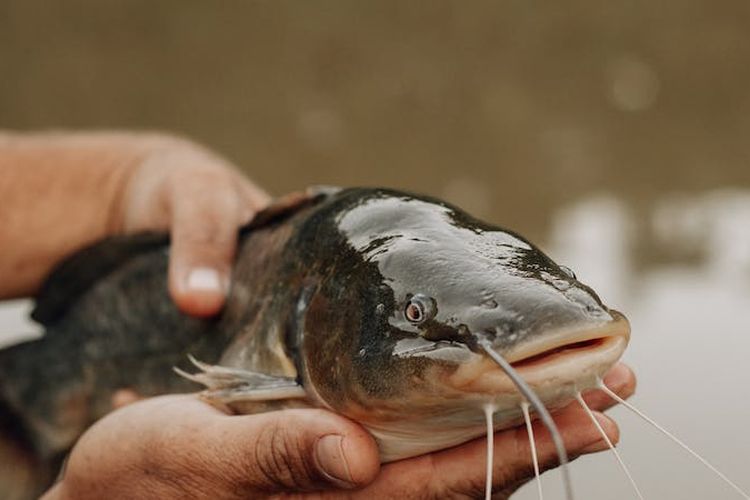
554	375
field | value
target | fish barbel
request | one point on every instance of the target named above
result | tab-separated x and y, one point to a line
372	303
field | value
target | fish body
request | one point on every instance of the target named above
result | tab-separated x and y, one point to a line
368	302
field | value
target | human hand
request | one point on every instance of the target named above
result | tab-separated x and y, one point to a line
202	200
178	447
63	191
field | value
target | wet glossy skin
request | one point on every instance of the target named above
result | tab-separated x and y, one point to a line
363	353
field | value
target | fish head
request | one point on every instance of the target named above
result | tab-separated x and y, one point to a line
416	286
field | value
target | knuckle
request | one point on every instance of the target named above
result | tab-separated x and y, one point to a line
206	228
206	235
206	240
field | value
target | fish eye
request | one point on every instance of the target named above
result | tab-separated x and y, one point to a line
568	272
419	308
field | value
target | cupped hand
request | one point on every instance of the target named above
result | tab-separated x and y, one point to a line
179	447
202	200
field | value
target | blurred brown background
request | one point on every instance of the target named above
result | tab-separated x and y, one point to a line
616	133
507	108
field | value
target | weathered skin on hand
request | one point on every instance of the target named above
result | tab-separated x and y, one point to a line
320	293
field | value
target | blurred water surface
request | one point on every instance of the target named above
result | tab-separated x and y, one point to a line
690	339
617	135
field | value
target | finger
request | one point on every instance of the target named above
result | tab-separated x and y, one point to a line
294	450
513	464
580	435
620	379
253	195
206	212
254	199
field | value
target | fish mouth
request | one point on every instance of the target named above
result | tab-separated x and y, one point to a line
551	355
563	361
559	347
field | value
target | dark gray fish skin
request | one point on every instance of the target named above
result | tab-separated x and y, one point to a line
319	295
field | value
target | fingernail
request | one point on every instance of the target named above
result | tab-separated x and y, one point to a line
331	461
205	279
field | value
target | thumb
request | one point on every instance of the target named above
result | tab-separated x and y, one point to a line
305	450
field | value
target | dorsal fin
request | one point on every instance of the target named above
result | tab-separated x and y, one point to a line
286	205
75	275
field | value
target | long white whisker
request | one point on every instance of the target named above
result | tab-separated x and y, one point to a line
489	410
661	429
540	409
532	445
609	443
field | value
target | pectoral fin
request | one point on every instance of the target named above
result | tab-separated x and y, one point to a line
229	385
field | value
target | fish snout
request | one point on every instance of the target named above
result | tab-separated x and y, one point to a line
557	363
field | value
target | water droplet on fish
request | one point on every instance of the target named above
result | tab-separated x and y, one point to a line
361	353
568	271
490	304
595	310
492	332
508	330
561	285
